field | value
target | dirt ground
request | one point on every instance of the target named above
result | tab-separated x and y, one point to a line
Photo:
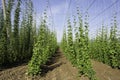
59	68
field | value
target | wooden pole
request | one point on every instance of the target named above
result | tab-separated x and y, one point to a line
4	9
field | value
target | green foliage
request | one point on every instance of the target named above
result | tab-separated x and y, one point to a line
106	48
3	45
9	7
83	59
114	45
70	47
78	51
1	21
64	42
16	42
44	48
3	39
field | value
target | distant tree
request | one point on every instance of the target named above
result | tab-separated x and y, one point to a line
16	32
3	38
1	21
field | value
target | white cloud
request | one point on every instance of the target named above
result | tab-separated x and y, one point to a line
58	9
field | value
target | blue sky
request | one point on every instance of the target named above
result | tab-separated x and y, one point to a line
59	9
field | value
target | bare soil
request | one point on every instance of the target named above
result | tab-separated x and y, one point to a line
59	68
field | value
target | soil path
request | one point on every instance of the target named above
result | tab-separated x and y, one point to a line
59	68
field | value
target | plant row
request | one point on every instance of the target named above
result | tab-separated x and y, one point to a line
17	32
76	48
43	49
106	45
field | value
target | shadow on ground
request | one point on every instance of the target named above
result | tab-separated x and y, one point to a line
51	64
